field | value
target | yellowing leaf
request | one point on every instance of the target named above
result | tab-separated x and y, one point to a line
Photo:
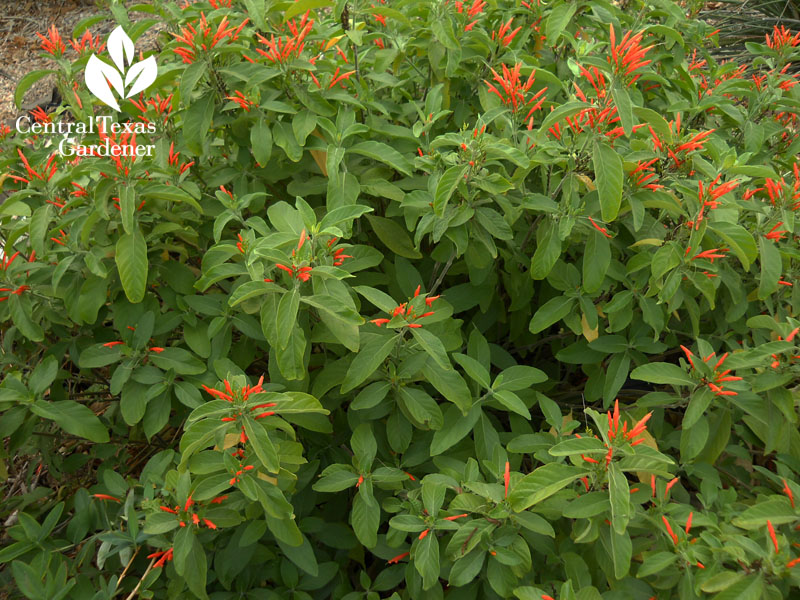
265	477
590	334
649	440
320	156
587	181
567	418
647	242
332	42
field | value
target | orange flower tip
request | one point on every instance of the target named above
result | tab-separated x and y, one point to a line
700	565
544	596
106	497
209	524
360	480
410	476
397	558
423	534
157	349
219	499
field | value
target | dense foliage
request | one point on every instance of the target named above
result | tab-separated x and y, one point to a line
413	299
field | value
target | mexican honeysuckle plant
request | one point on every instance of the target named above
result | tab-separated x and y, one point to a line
411	300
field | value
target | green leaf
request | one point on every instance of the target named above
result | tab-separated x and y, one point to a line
26	82
73	418
542	483
656	563
583	445
365	517
364	446
749	588
587	505
596	261
740	240
512	402
195	571
20	310
98	355
608	177
301	6
623	103
699	402
449	384
131	259
383	153
160	523
181	361
474	369
456	427
265	450
558	19
286	317
197	121
620	549
446	186
368	359
551	312
336	481
547	252
518	377
261	142
619	495
43	375
663	373
394	236
334	307
778	510
433	346
426	559
771	267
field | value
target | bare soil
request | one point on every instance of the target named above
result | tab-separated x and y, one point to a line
20	47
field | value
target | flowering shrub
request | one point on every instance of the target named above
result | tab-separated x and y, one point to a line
348	327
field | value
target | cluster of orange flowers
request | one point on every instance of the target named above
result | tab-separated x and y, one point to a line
401	310
202	37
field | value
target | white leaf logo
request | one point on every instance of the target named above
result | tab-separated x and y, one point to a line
102	78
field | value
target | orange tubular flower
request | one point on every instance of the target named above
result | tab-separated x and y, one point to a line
776	235
710	254
52	44
454	517
287	47
644	173
87	43
201	37
423	534
514	90
241	100
397	558
106	497
162	556
782	38
669	487
689	523
602	230
771	530
627	56
506	478
669	530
